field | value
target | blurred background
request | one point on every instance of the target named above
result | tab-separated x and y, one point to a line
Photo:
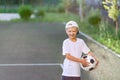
90	14
99	19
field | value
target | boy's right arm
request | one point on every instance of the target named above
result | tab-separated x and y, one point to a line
72	58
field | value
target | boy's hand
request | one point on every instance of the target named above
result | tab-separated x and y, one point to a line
97	63
84	63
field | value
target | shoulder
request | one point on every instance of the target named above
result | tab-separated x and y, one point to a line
80	40
65	43
66	40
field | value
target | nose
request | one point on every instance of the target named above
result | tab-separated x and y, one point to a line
71	33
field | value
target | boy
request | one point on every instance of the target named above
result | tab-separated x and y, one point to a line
72	49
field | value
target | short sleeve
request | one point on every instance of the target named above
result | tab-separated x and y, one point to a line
65	48
85	48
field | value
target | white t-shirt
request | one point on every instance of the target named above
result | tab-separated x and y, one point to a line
71	68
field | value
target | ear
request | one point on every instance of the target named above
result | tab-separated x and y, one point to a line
77	32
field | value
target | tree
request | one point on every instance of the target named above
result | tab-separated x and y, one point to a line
23	2
69	5
81	9
66	4
113	12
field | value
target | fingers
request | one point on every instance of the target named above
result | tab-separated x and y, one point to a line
96	65
85	63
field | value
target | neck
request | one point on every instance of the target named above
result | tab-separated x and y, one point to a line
73	39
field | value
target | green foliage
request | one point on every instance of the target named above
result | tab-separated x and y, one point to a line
107	37
25	12
103	34
94	20
105	30
113	11
112	8
119	34
59	17
52	17
94	17
8	10
39	13
60	8
67	4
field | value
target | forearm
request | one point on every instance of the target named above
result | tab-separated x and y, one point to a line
90	53
72	58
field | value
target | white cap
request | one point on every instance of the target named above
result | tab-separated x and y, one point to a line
71	24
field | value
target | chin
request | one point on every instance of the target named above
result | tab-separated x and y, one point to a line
72	37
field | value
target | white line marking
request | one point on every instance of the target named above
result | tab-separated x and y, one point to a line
61	65
39	64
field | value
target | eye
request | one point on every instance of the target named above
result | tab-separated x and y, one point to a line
74	31
69	31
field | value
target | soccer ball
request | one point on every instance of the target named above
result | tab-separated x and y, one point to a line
92	62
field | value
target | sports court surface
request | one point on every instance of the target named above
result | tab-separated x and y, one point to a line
31	51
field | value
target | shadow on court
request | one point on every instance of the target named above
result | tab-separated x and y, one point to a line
31	51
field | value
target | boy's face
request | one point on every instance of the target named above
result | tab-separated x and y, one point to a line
72	32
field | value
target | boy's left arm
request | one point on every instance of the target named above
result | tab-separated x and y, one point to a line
90	53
